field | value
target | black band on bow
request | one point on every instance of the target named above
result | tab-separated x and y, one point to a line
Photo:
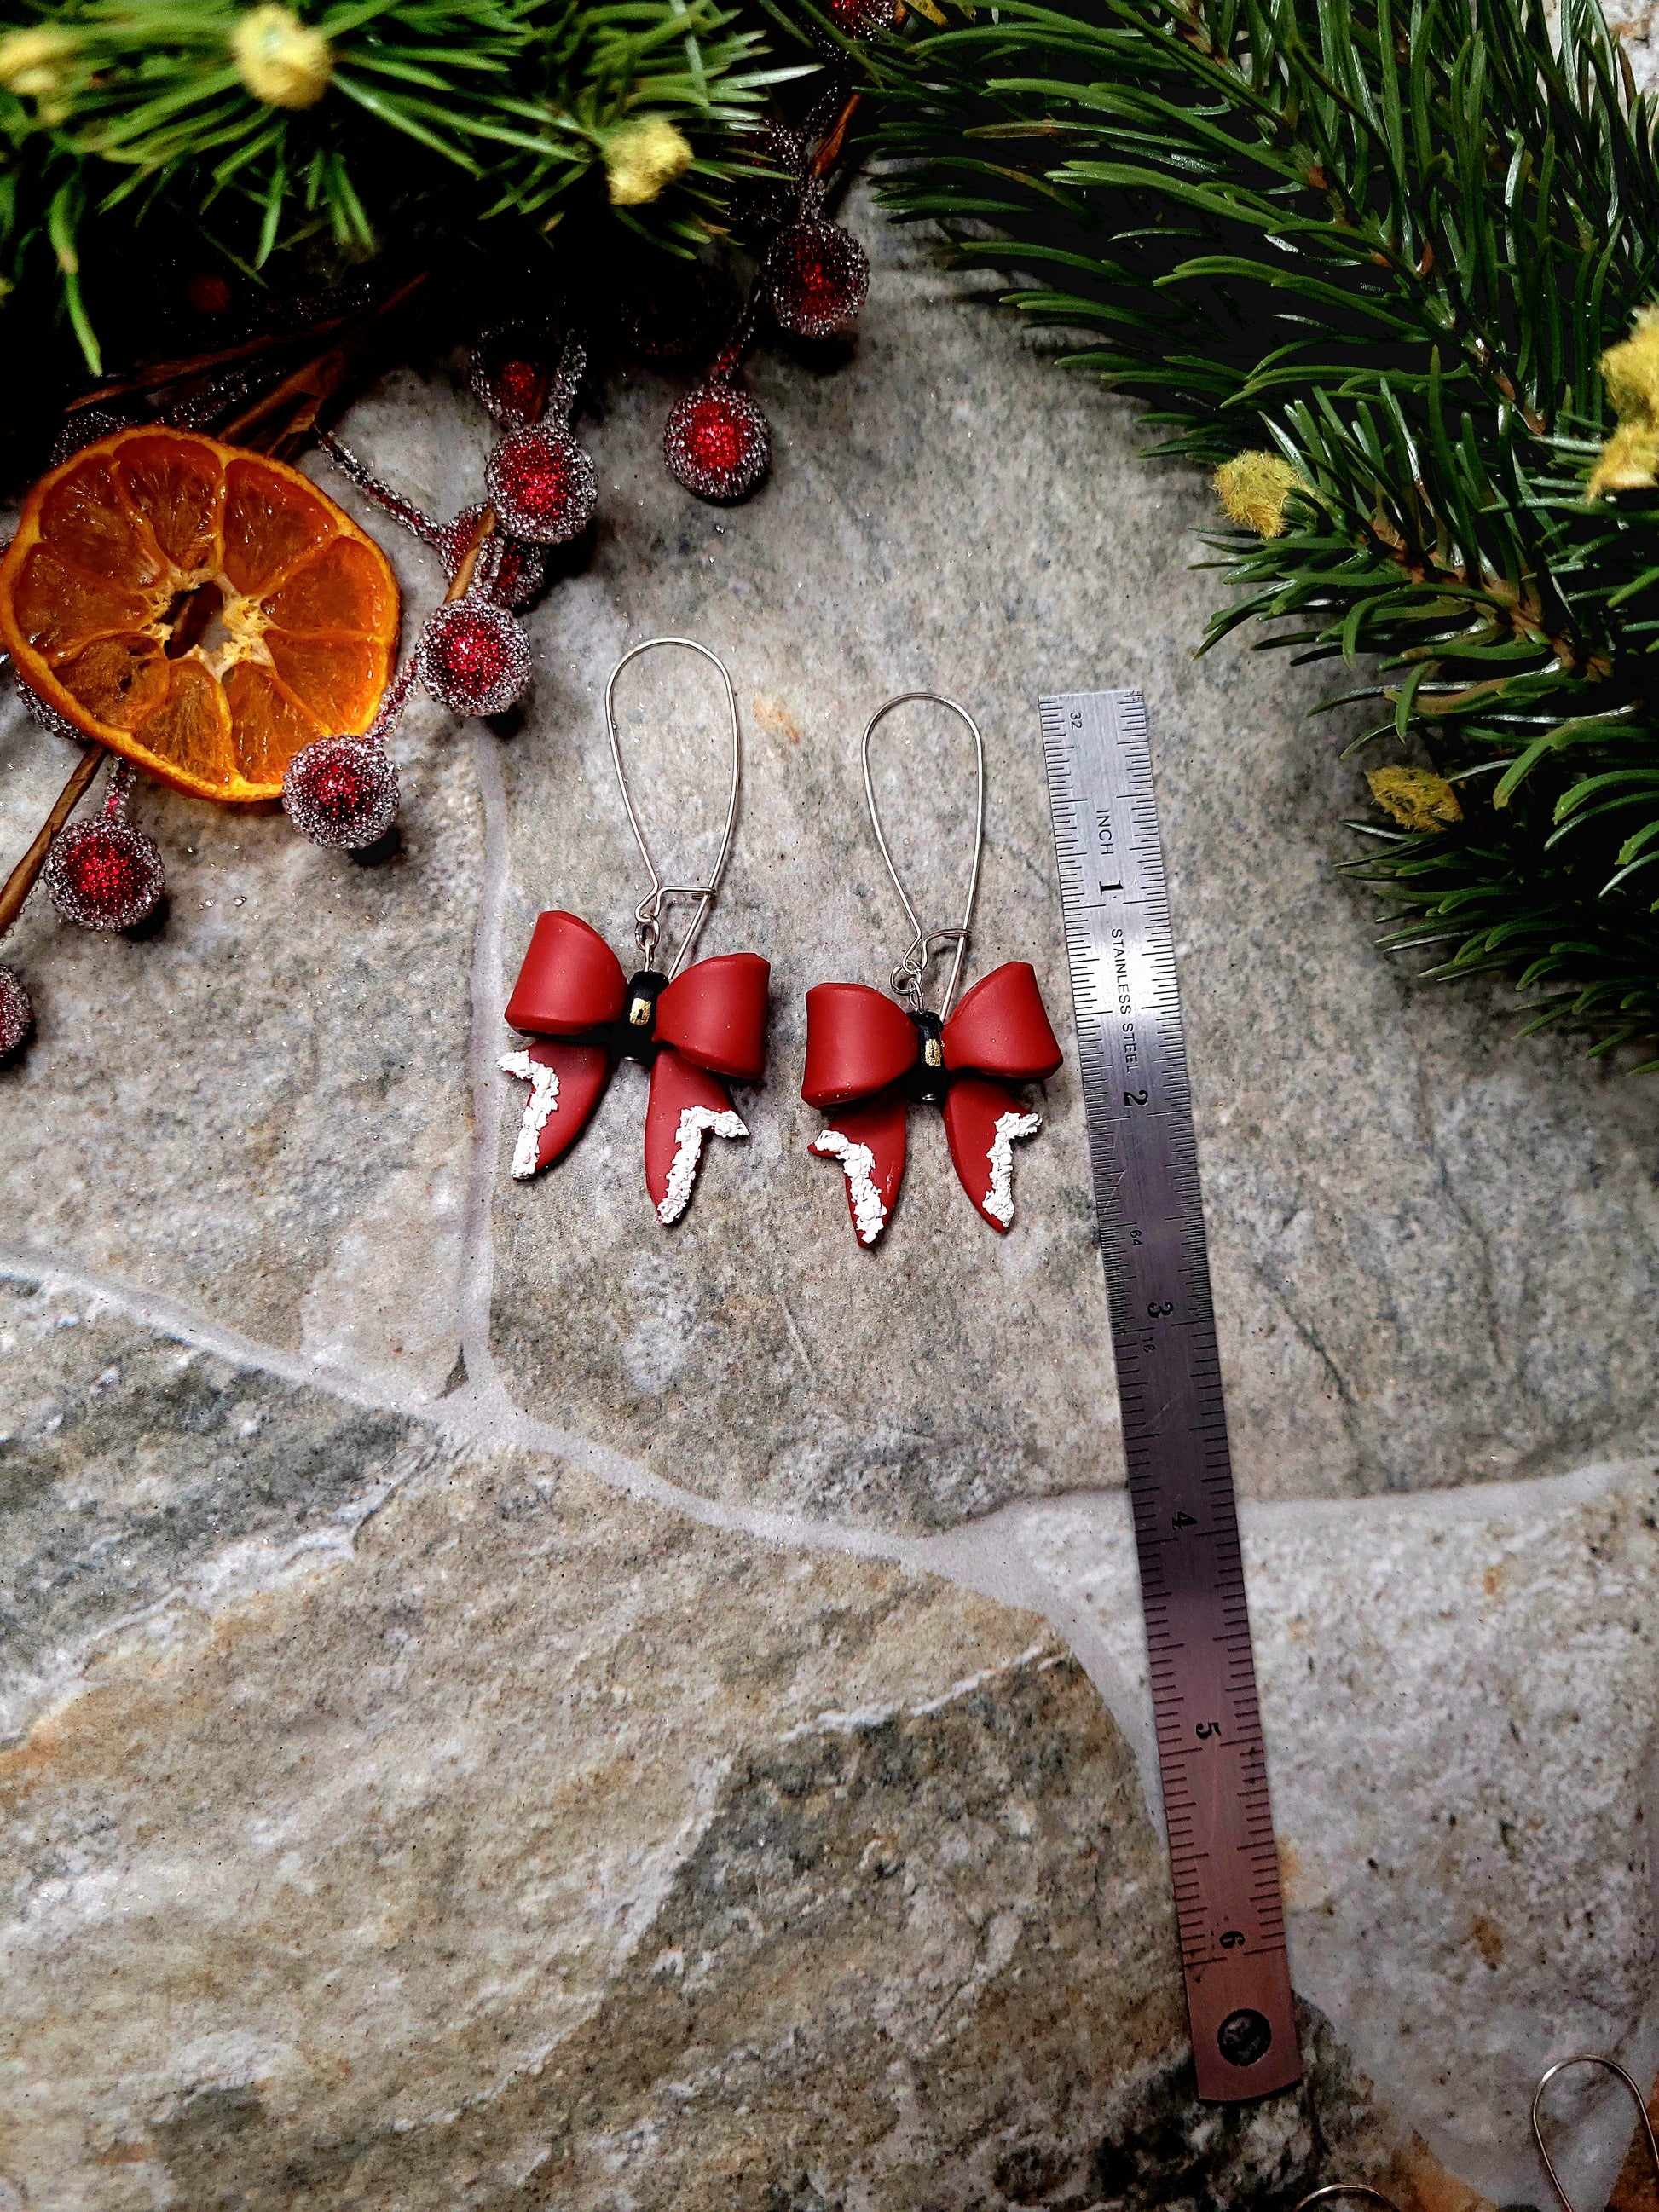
634	1036
928	1080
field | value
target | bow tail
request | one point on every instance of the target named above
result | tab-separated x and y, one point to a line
868	1140
566	1084
983	1121
686	1103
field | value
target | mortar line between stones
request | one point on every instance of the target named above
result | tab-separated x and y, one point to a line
462	1419
476	1290
985	1555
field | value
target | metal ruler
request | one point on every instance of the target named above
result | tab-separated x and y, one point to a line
1133	1052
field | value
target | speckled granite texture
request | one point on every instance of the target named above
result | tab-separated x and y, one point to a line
503	1706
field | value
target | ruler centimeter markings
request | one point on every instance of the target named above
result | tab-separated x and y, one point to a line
1132	1051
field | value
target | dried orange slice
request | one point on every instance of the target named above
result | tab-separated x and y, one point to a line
202	610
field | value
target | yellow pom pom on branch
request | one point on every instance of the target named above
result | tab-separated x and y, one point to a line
35	65
1629	460
642	159
1255	488
280	60
1417	798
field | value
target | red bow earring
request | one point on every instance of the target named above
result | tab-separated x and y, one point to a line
868	1061
695	1031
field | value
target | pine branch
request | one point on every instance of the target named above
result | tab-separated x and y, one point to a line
1392	245
141	116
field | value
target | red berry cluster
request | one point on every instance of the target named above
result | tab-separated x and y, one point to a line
812	281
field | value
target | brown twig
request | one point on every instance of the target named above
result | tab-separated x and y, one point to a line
466	568
831	144
169	383
21	880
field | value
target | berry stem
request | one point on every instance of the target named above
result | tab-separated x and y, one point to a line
115	795
21	880
392	704
567	381
466	568
414	519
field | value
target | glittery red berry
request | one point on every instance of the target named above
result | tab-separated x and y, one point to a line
543	486
863	19
716	442
342	791
208	293
510	373
104	874
817	277
473	657
16	1012
669	309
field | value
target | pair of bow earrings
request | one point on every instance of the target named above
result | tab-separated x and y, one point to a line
700	1025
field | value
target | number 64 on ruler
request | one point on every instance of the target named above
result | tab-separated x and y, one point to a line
1132	1054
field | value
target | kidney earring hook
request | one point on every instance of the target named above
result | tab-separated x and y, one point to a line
907	977
1560	2066
648	915
1360	2189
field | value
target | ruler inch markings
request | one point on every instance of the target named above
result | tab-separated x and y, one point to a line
1132	1056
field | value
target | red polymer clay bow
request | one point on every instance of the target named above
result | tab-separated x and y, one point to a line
692	1029
869	1059
708	1023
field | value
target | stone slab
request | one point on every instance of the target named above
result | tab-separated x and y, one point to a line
1459	1696
528	1844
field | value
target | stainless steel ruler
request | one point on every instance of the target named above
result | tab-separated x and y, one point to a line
1131	1050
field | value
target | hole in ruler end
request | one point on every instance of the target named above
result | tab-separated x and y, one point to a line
1243	2037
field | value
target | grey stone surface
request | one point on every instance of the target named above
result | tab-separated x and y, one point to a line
536	1847
130	1464
492	1780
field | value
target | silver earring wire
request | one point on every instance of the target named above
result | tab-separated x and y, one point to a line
648	914
1360	2189
907	977
1612	2065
